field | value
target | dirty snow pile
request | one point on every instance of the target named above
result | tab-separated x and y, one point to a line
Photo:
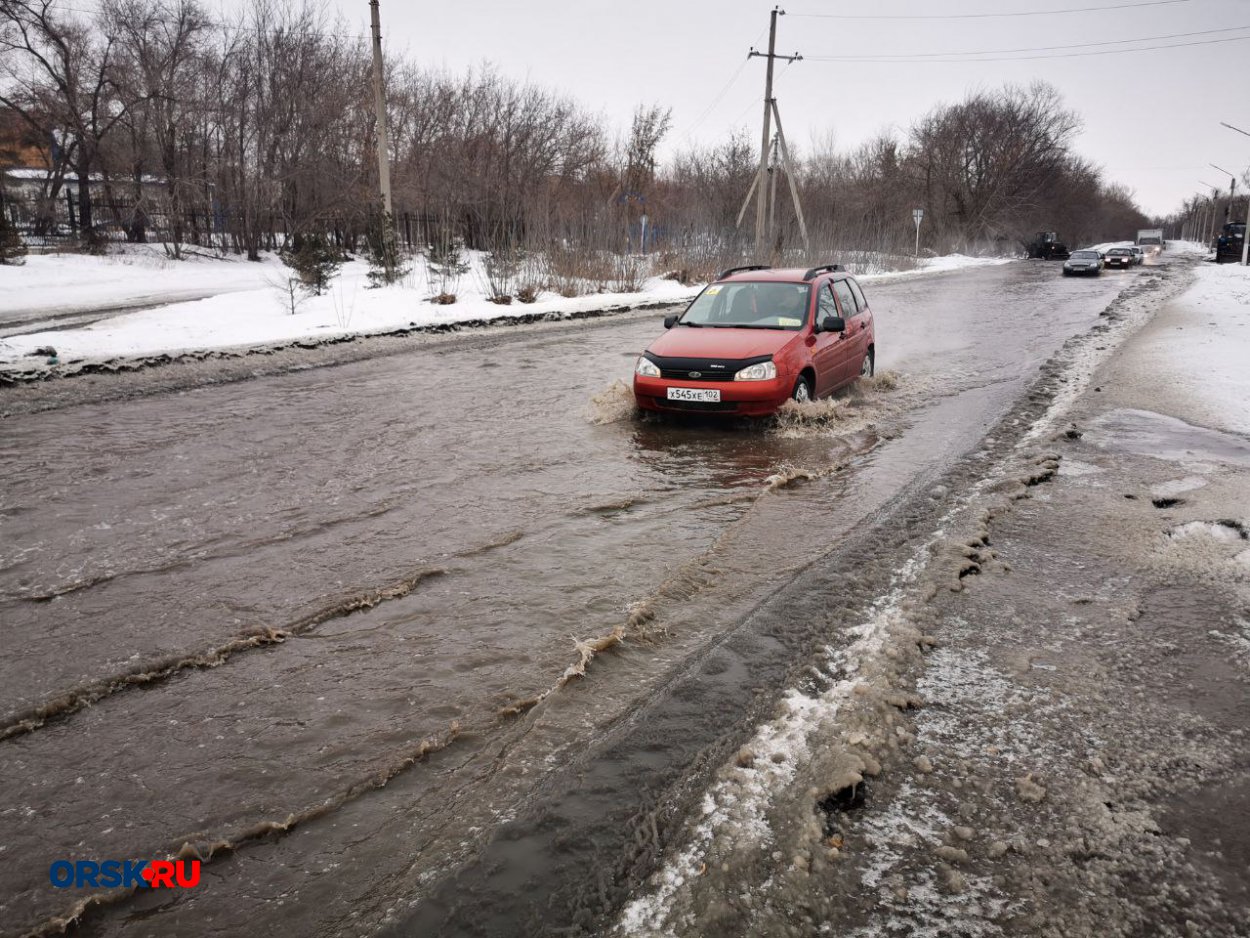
252	305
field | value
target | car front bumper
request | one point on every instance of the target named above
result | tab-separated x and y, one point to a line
740	398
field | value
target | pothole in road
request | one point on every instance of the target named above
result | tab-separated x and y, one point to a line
837	804
1167	502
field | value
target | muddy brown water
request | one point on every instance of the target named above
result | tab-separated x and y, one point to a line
435	537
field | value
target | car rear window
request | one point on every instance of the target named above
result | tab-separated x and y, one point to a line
750	305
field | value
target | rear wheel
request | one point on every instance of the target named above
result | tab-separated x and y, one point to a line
802	390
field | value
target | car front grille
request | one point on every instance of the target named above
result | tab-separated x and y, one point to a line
681	374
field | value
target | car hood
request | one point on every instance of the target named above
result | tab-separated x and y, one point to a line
689	342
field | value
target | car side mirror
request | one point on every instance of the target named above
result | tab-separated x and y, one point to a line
832	324
670	321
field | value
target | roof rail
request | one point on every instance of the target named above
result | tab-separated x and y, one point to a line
738	270
820	270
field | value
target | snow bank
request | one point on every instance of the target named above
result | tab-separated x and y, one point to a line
253	307
1208	353
55	283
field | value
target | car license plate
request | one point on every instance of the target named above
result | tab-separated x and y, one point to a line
694	394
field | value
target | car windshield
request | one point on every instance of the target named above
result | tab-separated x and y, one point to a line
1119	252
1085	255
750	305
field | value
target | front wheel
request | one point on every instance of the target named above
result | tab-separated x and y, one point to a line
802	392
867	369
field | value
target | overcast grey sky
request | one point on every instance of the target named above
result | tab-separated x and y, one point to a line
1151	117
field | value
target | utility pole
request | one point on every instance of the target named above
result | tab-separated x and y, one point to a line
761	177
389	258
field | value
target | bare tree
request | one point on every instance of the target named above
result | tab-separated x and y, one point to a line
59	72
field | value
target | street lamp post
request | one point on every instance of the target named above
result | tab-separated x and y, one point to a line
1245	238
1228	213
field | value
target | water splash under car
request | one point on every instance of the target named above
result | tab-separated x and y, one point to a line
756	338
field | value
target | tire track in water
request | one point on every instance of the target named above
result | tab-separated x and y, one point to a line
239	550
68	702
147	673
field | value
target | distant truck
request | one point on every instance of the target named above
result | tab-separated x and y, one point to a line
1151	240
1229	244
1047	246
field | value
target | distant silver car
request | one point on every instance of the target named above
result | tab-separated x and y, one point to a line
1083	262
1139	256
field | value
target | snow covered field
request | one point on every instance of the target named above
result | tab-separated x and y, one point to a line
252	307
55	283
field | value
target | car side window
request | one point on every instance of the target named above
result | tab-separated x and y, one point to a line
825	305
846	299
859	295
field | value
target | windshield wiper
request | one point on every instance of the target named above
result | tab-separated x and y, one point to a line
692	325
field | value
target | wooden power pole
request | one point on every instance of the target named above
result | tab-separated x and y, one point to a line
760	187
379	103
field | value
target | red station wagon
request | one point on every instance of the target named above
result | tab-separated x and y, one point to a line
757	338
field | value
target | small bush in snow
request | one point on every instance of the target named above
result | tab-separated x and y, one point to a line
315	261
444	267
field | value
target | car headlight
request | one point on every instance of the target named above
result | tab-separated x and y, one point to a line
646	367
762	371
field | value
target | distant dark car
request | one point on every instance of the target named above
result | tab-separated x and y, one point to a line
1047	246
1083	262
1228	245
1120	258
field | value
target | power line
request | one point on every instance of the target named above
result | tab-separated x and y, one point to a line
716	100
1025	58
977	16
733	80
905	56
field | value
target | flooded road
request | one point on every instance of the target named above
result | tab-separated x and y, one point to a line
331	630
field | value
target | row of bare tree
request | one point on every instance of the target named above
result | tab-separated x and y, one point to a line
246	134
